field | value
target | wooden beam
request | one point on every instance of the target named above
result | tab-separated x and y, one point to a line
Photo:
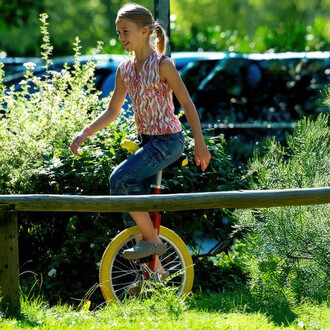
171	202
9	204
9	264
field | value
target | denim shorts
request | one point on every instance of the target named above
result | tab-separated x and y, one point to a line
135	174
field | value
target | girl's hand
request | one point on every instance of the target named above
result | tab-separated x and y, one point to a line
202	155
77	141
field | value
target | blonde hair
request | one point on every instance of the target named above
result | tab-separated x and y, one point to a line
143	17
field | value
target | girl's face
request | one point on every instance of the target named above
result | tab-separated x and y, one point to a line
130	34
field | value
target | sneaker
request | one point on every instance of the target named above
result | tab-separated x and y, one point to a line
135	288
163	276
143	249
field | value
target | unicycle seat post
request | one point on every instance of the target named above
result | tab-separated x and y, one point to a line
158	187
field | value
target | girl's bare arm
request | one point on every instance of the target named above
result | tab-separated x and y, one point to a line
106	117
169	73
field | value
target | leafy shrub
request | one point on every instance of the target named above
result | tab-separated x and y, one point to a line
286	37
226	271
37	125
289	246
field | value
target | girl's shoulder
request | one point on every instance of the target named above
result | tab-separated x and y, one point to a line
165	59
166	63
166	67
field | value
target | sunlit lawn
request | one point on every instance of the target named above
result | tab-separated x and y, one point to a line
230	310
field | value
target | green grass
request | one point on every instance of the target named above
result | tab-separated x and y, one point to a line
230	310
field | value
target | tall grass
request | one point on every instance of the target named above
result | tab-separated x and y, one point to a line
229	310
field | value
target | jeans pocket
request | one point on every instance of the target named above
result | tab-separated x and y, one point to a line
162	151
161	145
151	156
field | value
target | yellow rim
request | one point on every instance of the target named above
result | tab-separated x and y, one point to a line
112	250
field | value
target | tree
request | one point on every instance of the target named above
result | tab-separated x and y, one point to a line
16	13
93	20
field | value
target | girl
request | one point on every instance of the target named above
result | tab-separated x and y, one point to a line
150	79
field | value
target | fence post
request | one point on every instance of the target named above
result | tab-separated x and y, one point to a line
162	12
9	264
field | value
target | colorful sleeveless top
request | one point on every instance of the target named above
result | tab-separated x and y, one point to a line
152	97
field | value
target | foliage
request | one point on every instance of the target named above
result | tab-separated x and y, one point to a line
285	37
246	16
225	272
326	96
11	16
37	125
91	20
221	175
289	246
240	25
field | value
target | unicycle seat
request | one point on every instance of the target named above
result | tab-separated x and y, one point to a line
132	147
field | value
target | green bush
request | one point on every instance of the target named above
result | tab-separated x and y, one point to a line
227	271
37	125
284	38
289	246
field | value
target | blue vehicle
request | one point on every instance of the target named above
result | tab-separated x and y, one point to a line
279	87
105	70
230	87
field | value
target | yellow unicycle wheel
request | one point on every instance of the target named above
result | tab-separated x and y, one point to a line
117	275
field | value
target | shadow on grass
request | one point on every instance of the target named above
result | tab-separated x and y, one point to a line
26	321
23	319
243	301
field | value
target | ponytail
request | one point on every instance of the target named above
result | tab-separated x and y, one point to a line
161	38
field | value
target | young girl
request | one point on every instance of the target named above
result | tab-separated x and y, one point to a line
150	79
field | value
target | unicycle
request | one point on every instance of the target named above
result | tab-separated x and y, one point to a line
118	276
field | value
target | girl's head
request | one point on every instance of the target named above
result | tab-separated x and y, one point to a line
143	18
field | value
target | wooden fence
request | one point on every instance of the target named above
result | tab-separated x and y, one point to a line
10	204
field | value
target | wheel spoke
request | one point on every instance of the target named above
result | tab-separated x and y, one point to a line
122	285
126	264
124	274
171	262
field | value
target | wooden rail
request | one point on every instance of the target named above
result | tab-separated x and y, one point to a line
170	202
10	204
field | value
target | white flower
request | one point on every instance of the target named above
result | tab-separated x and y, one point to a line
92	245
52	272
81	94
56	74
301	324
30	65
57	162
49	87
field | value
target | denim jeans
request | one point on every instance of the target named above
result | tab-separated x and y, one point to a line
135	174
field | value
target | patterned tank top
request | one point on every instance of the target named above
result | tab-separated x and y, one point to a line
152	97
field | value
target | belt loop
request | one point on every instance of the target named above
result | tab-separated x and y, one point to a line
140	139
